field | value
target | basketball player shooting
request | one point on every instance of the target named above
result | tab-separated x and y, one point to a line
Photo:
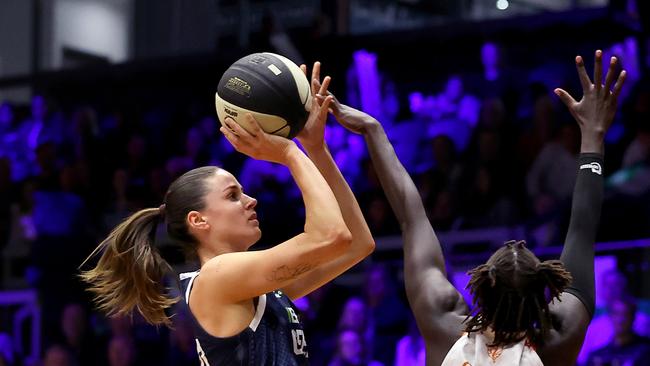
512	322
239	300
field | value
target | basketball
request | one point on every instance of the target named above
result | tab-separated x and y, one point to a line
270	87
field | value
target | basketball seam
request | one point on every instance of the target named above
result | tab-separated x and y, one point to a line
289	68
285	125
246	110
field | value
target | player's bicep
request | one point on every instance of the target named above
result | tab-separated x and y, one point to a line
571	313
432	298
422	249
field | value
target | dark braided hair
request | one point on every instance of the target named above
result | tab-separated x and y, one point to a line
509	294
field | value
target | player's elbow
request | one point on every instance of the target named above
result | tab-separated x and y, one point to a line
369	246
329	242
341	236
363	246
337	240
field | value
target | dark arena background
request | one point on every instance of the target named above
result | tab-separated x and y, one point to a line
105	102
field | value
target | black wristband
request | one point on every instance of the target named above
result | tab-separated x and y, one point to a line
592	162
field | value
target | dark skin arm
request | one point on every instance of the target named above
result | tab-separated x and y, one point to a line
438	307
594	114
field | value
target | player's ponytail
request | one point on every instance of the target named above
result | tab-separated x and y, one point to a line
130	271
554	276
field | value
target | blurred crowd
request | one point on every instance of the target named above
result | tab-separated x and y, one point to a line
491	147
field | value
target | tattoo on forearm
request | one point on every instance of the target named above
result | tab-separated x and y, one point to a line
284	272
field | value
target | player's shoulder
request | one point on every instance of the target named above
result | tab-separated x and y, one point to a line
214	266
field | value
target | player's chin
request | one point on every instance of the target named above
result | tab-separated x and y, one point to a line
250	238
256	235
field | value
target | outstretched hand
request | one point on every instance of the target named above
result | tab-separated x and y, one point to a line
595	111
313	134
257	144
350	118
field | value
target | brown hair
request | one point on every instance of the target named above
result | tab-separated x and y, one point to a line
510	295
130	273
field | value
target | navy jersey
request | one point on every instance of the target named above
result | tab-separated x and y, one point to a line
275	336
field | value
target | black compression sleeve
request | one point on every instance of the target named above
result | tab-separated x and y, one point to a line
578	252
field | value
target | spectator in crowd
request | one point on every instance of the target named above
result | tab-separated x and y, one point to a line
40	128
355	316
496	81
455	112
629	211
452	112
59	218
121	352
438	185
76	335
122	201
488	185
626	347
321	311
548	185
182	346
410	349
207	128
121	326
137	160
613	287
538	131
352	350
82	136
57	355
388	314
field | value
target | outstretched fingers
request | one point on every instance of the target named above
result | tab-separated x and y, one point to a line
315	75
619	84
334	106
609	79
565	97
324	108
582	73
598	70
323	87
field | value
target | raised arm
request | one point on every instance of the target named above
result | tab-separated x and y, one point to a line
594	114
312	139
429	292
234	277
